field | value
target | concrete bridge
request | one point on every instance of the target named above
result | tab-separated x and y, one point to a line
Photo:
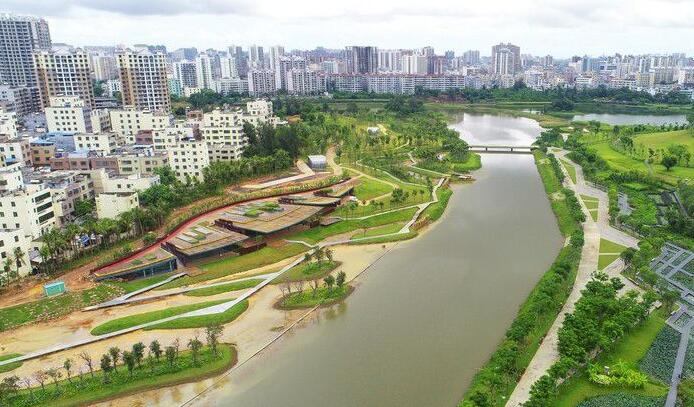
500	149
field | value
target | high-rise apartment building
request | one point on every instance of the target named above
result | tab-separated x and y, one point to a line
256	57
143	80
64	72
20	36
276	52
285	65
389	60
186	73
203	71
362	59
506	59
471	57
104	67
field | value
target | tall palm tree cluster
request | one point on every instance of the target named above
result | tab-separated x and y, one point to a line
11	266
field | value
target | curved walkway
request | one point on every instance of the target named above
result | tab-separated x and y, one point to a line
548	353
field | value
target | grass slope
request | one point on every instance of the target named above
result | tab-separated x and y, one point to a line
143	318
223	288
203	321
10	366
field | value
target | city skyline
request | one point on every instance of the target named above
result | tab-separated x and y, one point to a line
539	27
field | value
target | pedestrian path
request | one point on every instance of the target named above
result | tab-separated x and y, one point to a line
548	352
125	298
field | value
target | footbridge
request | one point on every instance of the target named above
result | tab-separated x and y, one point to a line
501	149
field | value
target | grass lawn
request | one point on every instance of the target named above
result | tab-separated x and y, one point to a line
590	202
306	299
11	366
621	162
611	247
663	139
605	260
368	189
236	264
93	389
630	349
143	318
55	307
319	233
474	162
570	169
385	239
134	285
204	320
223	288
307	271
434	211
380	230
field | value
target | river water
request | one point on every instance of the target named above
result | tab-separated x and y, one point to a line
428	314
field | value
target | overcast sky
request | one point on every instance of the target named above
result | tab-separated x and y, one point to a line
558	27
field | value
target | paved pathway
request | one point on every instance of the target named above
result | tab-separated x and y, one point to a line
547	354
685	333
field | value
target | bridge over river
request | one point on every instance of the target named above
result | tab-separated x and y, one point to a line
502	149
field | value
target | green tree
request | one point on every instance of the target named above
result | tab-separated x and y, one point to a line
114	353
212	333
170	353
195	345
130	361
668	162
139	353
329	281
106	366
67	365
340	279
155	348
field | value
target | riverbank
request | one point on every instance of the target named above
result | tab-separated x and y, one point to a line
496	380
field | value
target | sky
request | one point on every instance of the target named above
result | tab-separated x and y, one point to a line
561	28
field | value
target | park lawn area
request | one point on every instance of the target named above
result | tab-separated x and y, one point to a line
663	139
306	299
55	307
570	169
368	189
203	321
10	366
236	264
607	246
307	271
93	389
379	230
473	162
590	202
605	260
223	288
621	162
134	285
319	233
145	317
631	349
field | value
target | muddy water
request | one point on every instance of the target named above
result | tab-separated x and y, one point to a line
427	315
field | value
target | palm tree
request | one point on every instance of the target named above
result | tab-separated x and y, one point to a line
19	259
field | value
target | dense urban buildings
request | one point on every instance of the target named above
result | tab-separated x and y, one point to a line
95	122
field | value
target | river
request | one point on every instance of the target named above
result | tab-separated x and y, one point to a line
428	314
